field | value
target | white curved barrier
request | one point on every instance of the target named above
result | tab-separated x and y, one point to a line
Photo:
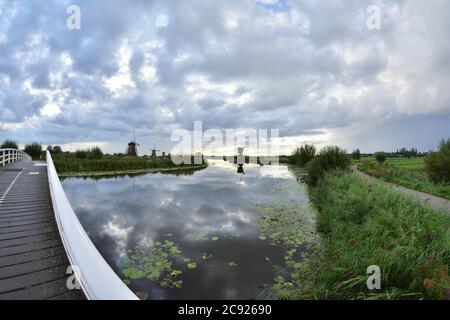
95	276
12	155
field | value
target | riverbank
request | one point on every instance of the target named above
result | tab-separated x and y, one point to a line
129	172
69	166
362	225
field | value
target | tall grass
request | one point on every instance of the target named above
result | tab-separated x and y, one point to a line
110	164
364	225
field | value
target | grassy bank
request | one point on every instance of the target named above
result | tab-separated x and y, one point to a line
110	165
409	173
184	170
364	225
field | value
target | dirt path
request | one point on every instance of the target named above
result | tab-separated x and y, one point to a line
435	202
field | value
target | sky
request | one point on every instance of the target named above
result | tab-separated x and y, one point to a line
312	69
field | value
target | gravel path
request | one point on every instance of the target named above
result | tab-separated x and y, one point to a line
435	202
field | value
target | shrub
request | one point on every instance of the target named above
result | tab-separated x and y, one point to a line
9	144
34	150
437	163
303	155
380	157
95	153
356	154
81	154
329	158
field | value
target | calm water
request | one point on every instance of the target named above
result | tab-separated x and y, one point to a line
209	215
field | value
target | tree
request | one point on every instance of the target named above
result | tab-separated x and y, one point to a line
356	155
380	157
9	144
55	149
437	164
34	150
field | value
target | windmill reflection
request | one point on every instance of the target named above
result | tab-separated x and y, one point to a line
240	161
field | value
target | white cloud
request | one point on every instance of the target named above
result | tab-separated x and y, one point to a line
309	68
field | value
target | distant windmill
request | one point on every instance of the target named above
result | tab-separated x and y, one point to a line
132	148
154	151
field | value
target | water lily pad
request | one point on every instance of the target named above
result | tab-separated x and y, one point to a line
215	238
232	264
133	273
192	265
154	263
206	256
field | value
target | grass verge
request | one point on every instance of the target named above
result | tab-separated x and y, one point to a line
130	172
70	167
366	224
407	175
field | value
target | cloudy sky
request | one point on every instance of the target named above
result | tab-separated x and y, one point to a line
311	69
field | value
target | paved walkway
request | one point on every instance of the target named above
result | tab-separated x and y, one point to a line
33	262
435	202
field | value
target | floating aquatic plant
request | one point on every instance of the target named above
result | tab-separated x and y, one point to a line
154	263
285	222
206	256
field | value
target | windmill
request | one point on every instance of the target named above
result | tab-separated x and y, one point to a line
132	147
154	151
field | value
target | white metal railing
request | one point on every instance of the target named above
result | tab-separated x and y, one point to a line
8	156
96	278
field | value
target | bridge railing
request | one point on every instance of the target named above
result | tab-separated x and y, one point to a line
96	278
8	156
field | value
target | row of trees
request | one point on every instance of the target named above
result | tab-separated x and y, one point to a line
35	150
437	163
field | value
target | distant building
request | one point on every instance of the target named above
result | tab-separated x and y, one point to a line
132	149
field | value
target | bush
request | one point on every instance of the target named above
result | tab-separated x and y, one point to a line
9	144
34	150
437	164
380	157
95	153
356	155
303	155
329	158
81	154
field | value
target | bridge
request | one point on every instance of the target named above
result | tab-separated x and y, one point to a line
44	251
